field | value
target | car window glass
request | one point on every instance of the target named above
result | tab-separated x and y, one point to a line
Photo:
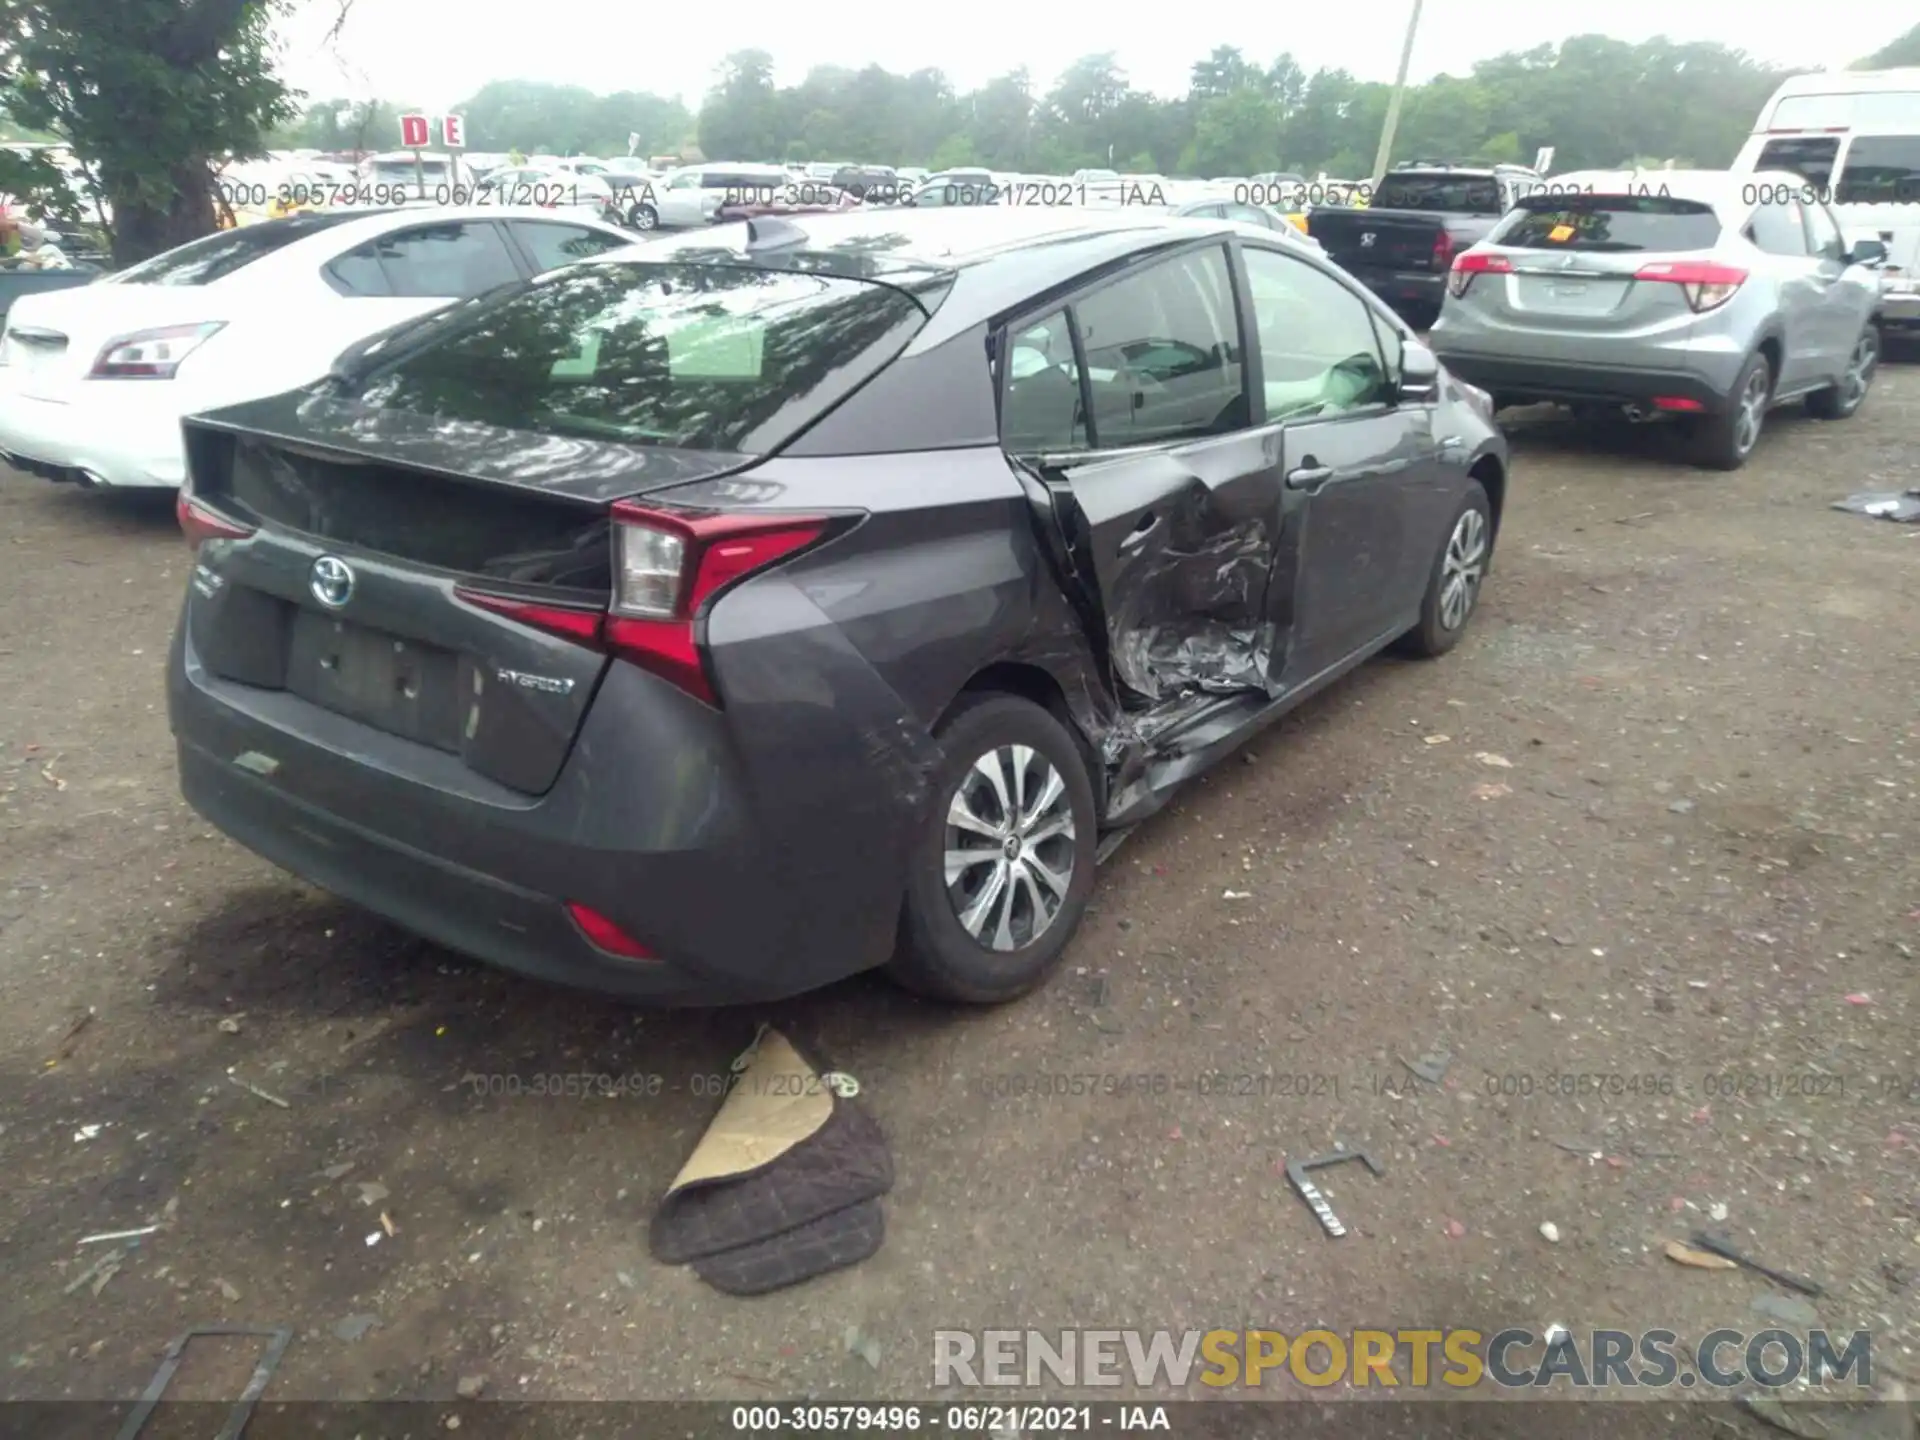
552	245
1823	233
1319	353
436	260
1043	412
1808	156
1248	215
1392	344
1881	170
1778	229
1163	354
685	181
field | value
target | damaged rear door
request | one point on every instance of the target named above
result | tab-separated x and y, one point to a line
1132	402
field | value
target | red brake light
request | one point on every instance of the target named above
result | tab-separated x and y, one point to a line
198	523
1470	264
1442	250
667	566
1706	284
606	935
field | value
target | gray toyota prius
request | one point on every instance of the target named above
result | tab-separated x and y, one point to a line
719	617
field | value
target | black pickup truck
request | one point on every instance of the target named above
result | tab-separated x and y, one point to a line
1402	243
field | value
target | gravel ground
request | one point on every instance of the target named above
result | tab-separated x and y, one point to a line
1651	827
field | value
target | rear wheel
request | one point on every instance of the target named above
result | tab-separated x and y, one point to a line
1727	440
1001	872
1841	399
643	216
1453	585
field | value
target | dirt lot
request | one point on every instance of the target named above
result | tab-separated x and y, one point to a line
1654	820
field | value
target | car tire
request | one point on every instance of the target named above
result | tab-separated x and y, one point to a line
1453	584
1839	401
1727	440
939	954
643	216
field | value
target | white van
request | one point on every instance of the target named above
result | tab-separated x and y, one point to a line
1855	137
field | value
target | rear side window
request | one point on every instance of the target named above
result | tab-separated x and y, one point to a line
694	356
1042	413
1881	170
1162	353
1475	194
435	261
1608	223
1808	156
201	262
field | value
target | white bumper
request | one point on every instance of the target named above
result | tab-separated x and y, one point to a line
122	433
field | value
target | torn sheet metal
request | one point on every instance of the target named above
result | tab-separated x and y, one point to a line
1901	506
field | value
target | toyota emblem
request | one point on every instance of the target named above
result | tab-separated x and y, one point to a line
1366	240
331	581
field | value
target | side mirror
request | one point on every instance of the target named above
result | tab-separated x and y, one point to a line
1867	252
1419	372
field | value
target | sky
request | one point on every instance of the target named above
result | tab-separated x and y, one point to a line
435	53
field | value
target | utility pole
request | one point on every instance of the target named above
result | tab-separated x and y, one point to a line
1393	105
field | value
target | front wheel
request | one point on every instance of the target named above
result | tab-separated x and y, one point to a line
1840	400
1453	585
643	216
1001	873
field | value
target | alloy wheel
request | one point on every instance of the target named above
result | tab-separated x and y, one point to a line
1462	568
1751	413
1860	368
1010	847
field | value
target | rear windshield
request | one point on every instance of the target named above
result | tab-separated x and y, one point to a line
1474	194
706	357
201	262
1608	222
1808	156
1881	170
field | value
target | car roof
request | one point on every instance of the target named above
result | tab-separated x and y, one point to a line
995	258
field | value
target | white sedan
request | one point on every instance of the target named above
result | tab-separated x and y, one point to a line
95	380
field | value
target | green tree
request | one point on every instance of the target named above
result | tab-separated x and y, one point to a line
151	94
1905	50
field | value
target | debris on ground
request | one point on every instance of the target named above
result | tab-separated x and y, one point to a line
1236	894
1721	1246
1717	1210
230	1024
1549	1232
1455	1230
1900	506
226	1289
1491	791
86	1133
1787	1309
468	1387
354	1326
64	1050
1431	1067
386	1224
1436	739
99	1273
858	1342
372	1192
1497	762
1309	1192
335	1172
1699	1259
253	1089
116	1235
785	1183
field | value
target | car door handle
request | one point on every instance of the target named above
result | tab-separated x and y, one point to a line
1308	476
1137	537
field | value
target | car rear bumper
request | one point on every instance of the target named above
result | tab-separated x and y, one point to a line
1900	310
1535	380
760	853
99	437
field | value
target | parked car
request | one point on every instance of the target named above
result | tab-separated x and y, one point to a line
94	381
1402	243
878	184
1267	217
1670	293
694	196
799	599
571	191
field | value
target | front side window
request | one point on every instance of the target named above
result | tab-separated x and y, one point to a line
1823	233
708	357
1810	157
1778	229
1163	353
1319	352
1881	170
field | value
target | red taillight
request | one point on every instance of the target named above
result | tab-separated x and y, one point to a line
606	935
198	523
1677	402
1442	250
1473	263
667	566
1705	283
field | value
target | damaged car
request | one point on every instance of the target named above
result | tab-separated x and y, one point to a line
720	618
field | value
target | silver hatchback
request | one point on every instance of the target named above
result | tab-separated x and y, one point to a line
1706	295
